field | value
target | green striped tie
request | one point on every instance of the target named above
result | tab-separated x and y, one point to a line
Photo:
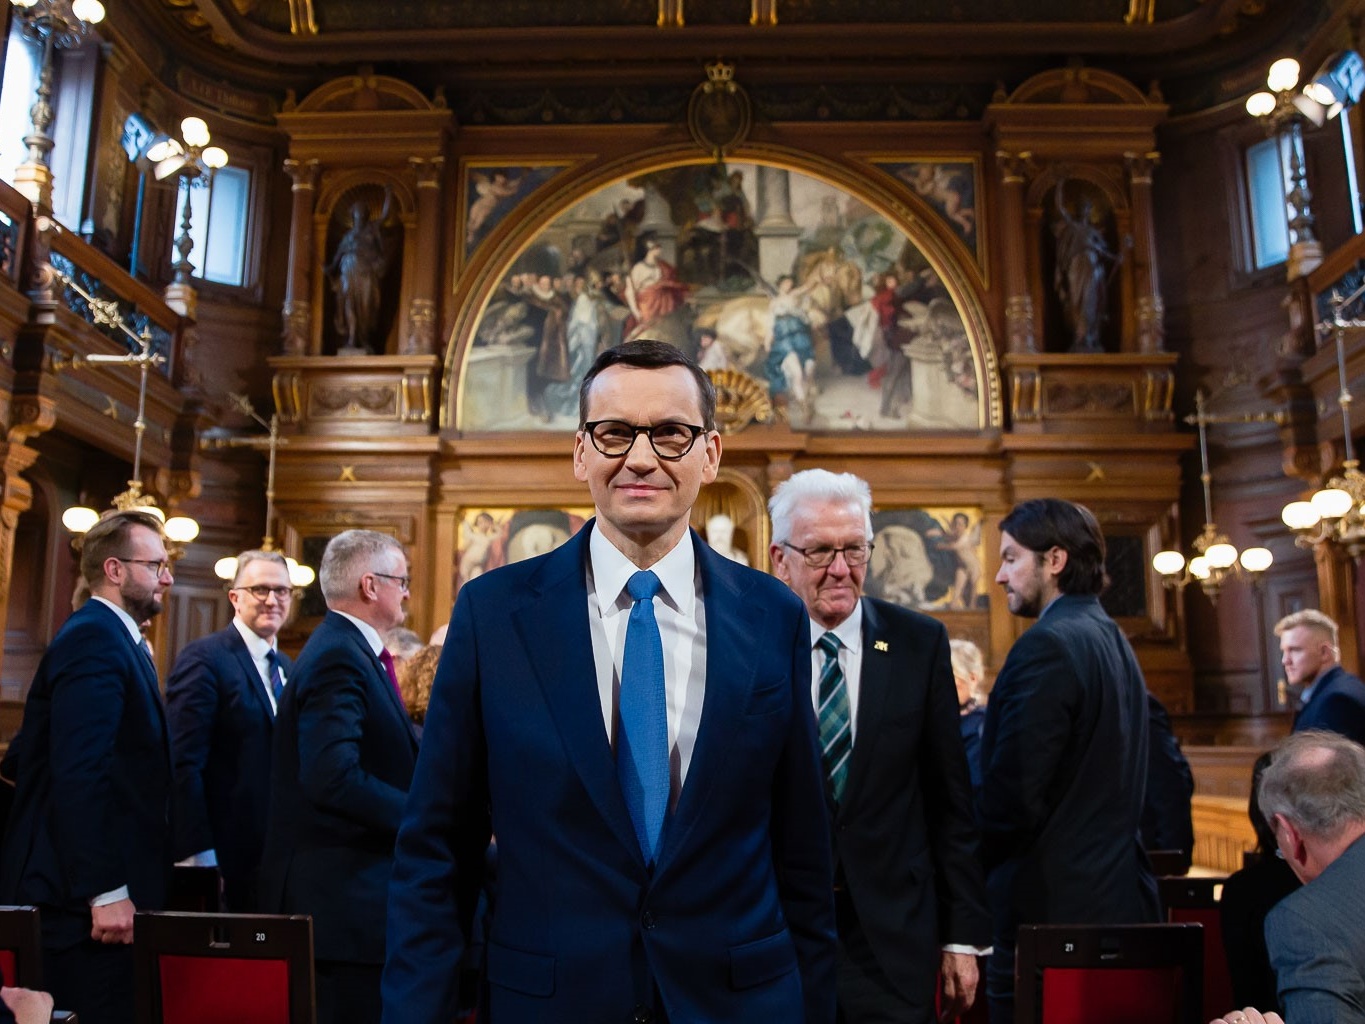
836	732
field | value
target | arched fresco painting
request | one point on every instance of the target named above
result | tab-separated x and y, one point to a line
793	280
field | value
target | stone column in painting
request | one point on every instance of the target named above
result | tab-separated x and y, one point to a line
1149	312
777	233
421	336
1018	301
298	317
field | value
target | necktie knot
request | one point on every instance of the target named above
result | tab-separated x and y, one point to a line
643	585
829	643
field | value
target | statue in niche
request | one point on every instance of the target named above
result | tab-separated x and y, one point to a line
720	534
356	272
1084	265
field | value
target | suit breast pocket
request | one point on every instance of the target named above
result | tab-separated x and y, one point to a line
768	697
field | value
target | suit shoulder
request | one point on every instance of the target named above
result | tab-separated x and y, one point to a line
899	617
214	644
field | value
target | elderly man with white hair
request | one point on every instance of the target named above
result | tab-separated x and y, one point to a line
1313	795
343	759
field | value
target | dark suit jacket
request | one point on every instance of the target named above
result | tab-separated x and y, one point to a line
1064	763
343	760
1336	705
221	729
1317	946
1166	820
736	921
1248	897
905	842
94	780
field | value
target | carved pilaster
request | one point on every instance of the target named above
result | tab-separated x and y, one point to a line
422	312
1019	316
297	316
1149	310
421	339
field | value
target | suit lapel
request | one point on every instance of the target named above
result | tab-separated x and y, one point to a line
734	632
378	674
250	675
554	631
874	685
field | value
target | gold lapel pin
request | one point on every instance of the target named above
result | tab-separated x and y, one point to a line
881	645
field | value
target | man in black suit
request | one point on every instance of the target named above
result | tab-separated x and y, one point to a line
89	837
909	892
1064	749
1330	698
343	759
221	700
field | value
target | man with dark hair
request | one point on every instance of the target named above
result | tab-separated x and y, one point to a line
89	840
343	756
221	698
1313	795
632	712
1064	748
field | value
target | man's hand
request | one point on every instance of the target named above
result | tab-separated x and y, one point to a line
28	1006
113	922
960	978
1248	1016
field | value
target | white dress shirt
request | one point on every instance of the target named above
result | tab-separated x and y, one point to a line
370	634
258	647
681	615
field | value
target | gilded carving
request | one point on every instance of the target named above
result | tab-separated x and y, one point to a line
740	400
421	338
326	401
1025	396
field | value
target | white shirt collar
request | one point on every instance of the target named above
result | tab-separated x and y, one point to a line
256	645
849	632
124	617
611	570
370	634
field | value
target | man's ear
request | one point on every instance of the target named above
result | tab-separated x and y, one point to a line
778	555
1054	561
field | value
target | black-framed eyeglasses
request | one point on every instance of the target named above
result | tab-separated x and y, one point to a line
615	438
402	581
262	593
821	558
155	566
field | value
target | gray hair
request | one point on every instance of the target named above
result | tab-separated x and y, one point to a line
816	485
348	557
247	557
403	642
1316	780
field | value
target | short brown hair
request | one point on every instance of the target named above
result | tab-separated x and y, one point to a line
108	539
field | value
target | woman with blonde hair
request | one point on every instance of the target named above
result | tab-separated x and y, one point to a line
969	672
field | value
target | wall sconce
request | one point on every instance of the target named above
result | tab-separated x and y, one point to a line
194	161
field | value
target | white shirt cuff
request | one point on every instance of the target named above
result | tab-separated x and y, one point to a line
973	950
202	859
113	896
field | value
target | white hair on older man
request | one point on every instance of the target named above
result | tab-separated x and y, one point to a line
348	557
816	486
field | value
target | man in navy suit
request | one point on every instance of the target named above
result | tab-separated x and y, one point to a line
1313	794
343	759
1330	697
630	714
1064	748
221	699
909	894
89	836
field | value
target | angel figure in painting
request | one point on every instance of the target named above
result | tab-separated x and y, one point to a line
356	272
492	191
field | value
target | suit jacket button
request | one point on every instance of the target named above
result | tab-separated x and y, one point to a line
642	1015
647	920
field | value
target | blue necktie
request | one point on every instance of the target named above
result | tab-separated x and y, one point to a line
272	662
836	726
642	741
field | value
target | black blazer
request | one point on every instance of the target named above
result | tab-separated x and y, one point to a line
905	842
221	728
343	759
1064	766
92	808
1337	705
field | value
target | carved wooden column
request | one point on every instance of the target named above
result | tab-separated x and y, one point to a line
1149	309
421	335
298	315
1018	301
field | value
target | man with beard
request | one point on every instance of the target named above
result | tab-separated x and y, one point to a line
89	839
1064	747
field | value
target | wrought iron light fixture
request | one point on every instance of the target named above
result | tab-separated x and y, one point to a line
1216	560
1335	514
